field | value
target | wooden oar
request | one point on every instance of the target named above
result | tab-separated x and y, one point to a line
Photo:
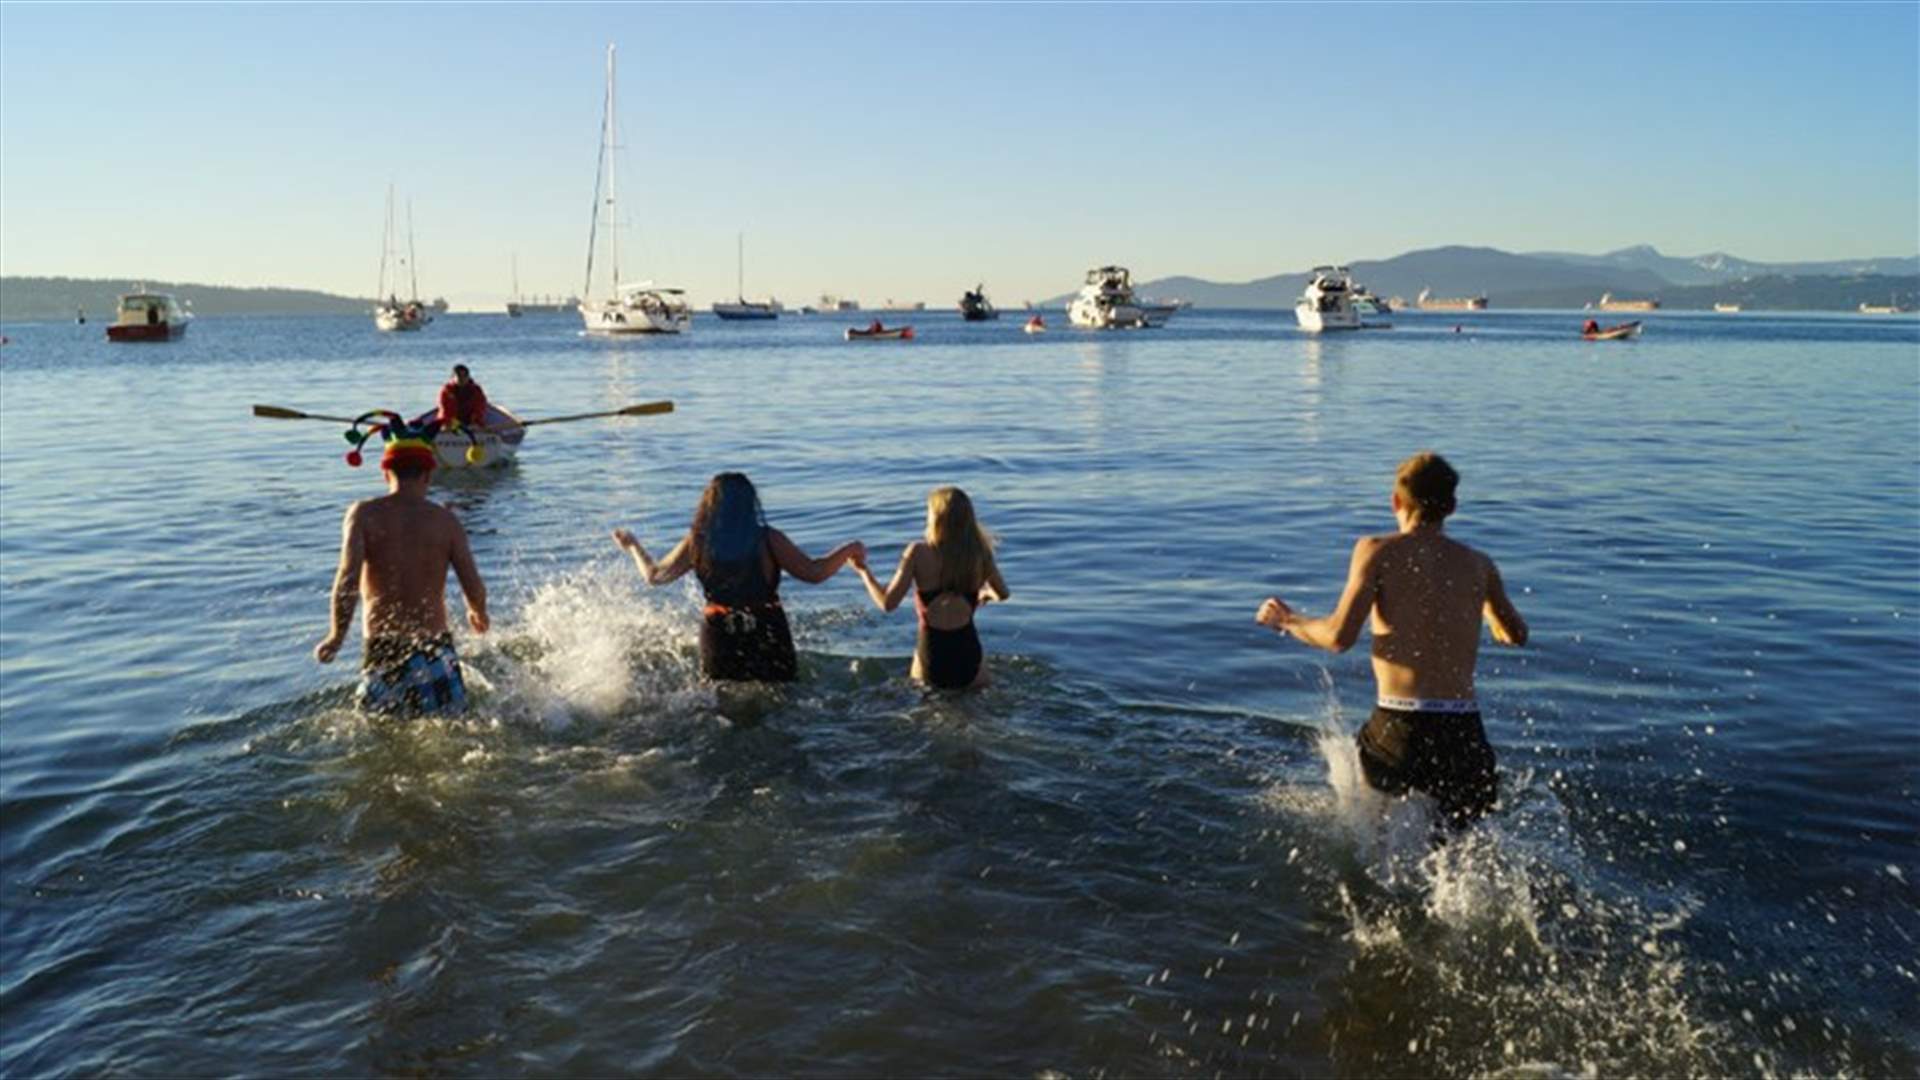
276	412
645	408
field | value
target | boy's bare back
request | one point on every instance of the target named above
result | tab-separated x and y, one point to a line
1429	595
408	546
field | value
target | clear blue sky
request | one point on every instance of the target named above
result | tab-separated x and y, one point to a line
896	151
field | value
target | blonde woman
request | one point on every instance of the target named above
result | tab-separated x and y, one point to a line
951	573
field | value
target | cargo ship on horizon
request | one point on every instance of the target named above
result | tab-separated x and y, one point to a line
1426	301
1608	303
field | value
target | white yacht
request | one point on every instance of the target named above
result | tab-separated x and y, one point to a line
1107	302
1332	301
637	307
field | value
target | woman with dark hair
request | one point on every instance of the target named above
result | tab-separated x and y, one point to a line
738	558
951	572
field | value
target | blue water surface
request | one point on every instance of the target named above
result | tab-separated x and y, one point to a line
1140	852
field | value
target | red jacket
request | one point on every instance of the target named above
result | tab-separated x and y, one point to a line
466	404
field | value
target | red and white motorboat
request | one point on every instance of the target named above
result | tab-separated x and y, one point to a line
149	316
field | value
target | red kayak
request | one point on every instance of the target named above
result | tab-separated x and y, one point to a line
876	332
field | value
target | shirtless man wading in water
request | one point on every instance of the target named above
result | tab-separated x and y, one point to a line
397	549
1426	595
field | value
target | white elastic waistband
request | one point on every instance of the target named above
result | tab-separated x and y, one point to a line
1427	704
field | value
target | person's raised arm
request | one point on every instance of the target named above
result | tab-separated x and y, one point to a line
1508	627
471	586
676	564
1335	632
889	598
788	556
346	585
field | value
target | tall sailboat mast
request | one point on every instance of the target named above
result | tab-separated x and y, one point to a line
386	247
413	272
740	267
607	139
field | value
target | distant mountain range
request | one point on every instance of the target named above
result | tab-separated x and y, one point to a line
30	299
1551	279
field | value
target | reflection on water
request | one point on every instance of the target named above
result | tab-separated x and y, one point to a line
1143	851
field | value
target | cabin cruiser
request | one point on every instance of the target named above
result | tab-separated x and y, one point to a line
1332	301
1107	303
148	316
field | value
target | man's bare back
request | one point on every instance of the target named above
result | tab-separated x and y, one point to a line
396	550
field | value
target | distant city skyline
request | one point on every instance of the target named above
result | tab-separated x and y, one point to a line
906	153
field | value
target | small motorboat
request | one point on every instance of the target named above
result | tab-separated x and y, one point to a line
877	332
1593	331
148	316
1035	325
975	307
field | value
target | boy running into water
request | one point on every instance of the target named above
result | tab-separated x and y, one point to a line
1426	594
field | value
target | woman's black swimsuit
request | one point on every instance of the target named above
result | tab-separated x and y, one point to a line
949	659
745	636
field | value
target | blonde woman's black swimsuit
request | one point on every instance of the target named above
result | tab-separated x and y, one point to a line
949	659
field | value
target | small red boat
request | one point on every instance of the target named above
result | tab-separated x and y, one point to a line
877	332
1593	331
145	316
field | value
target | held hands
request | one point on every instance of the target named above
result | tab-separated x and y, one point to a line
857	555
1274	614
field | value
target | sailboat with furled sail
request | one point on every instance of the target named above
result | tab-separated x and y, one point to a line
392	313
630	308
741	307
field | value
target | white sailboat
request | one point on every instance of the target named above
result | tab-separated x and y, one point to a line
632	308
741	307
513	302
392	313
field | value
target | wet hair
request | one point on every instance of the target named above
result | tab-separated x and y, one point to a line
1425	484
965	549
461	369
728	524
403	471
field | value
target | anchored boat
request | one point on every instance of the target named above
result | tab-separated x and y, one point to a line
975	307
636	308
1107	302
148	316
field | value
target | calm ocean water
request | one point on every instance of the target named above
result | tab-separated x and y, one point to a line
1140	853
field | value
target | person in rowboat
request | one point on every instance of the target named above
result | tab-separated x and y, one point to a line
462	401
951	572
1426	595
738	558
397	550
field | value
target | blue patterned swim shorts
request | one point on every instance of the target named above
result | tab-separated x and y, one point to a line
412	677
